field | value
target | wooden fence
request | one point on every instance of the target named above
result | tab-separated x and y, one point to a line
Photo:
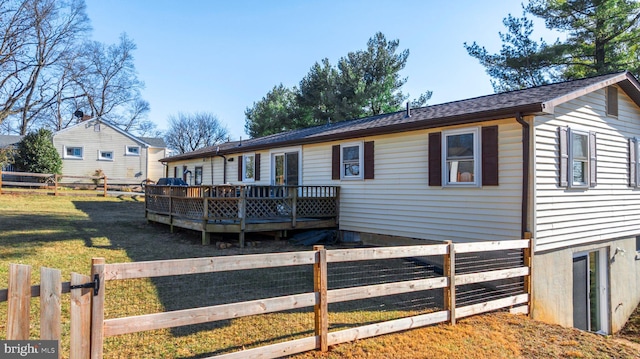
89	328
48	181
50	290
319	298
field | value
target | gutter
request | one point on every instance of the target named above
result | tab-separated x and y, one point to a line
224	167
526	134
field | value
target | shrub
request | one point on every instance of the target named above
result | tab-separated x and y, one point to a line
36	154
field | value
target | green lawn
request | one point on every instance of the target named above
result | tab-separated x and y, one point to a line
66	232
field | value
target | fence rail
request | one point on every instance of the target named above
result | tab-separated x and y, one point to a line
48	181
89	327
322	295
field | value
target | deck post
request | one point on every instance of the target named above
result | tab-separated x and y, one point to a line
206	237
294	206
0	180
242	214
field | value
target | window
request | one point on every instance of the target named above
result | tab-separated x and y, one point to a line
198	176
351	161
577	158
73	152
105	155
461	156
248	168
132	151
465	157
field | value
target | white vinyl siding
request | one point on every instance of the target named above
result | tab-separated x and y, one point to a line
125	169
610	210
399	201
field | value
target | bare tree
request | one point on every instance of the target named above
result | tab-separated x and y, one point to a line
107	77
189	132
37	37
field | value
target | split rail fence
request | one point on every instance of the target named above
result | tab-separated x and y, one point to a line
89	328
48	181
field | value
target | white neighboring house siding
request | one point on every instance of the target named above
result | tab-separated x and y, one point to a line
123	168
399	201
611	209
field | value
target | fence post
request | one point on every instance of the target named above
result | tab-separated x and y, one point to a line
104	194
528	261
55	184
80	332
50	309
19	302
0	180
97	309
449	270
321	309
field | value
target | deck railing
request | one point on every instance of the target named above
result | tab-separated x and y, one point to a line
241	202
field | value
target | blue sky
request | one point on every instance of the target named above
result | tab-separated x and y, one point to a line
222	56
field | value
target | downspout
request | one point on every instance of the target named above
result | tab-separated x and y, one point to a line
525	174
224	167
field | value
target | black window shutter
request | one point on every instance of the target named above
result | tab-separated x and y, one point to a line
435	159
490	156
257	167
240	168
632	163
564	156
593	160
612	101
335	162
369	165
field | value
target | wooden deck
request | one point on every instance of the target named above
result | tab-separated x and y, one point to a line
243	209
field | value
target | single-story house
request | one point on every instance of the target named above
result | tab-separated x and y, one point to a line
558	163
94	145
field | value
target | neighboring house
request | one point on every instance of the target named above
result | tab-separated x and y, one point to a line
96	144
559	163
8	141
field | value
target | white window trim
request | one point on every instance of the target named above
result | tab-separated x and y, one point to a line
244	167
360	145
129	153
101	158
477	157
587	178
282	151
68	157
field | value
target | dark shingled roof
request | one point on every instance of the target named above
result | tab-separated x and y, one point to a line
154	141
535	100
8	140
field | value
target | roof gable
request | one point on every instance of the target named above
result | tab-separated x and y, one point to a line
115	128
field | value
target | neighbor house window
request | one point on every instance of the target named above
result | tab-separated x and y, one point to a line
132	151
351	157
105	155
197	180
73	152
461	157
249	168
578	161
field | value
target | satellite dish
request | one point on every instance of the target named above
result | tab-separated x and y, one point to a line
78	114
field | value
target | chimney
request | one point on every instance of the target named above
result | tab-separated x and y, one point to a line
408	109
